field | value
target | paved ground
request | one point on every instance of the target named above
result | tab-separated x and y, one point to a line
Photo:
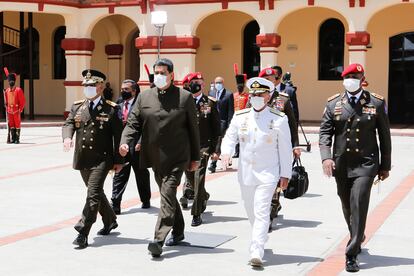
41	197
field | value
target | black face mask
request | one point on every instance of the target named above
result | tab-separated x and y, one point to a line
11	83
126	95
195	87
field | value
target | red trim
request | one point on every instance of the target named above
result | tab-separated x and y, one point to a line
169	53
311	2
268	40
168	42
271	4
262	4
357	38
113	58
78	54
225	4
72	83
114	49
79	44
76	4
111	9
66	114
40	6
362	3
351	3
406	0
357	50
269	51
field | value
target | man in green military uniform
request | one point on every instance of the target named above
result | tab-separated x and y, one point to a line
98	125
209	127
353	119
165	119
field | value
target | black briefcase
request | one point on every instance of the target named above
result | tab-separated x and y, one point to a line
299	183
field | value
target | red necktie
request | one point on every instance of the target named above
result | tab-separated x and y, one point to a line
125	113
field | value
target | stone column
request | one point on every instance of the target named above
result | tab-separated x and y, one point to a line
357	47
114	53
269	48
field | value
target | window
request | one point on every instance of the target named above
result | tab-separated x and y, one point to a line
331	50
251	53
59	60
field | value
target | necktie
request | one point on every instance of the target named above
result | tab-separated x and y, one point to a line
353	100
125	113
90	106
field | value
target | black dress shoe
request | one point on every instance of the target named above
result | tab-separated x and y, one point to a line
146	205
81	241
351	264
106	230
212	169
155	249
174	240
184	202
196	221
236	155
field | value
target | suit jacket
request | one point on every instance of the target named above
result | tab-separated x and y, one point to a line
355	147
291	91
208	124
225	106
132	144
166	122
97	134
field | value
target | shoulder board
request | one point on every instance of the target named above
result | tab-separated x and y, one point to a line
79	102
379	97
111	103
283	94
243	111
212	98
333	97
277	112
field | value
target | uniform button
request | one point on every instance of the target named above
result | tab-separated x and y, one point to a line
358	120
83	146
91	131
357	140
91	139
105	153
357	150
84	131
93	123
83	138
90	147
348	139
349	120
357	130
348	130
347	149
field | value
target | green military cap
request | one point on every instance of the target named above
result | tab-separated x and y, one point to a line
91	77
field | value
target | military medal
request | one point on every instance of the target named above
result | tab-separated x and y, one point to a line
77	121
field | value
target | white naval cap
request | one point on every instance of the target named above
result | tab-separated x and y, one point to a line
259	85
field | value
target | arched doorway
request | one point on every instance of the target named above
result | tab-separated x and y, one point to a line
251	52
401	78
132	62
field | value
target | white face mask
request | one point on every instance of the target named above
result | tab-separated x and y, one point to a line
352	85
219	86
257	102
89	91
160	81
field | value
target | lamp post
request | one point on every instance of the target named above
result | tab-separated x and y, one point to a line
159	19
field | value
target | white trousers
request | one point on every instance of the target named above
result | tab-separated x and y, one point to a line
257	201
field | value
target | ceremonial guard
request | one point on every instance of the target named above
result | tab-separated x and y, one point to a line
280	101
209	127
98	125
349	125
14	101
265	159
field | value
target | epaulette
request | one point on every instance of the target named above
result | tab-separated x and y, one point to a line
212	98
79	102
333	97
277	112
111	103
283	94
243	111
379	97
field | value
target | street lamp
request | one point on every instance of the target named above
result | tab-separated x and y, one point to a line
159	19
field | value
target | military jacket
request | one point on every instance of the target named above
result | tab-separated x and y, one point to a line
265	147
97	134
208	124
353	131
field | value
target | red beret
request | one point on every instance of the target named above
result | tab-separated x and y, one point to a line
195	76
267	72
353	68
185	79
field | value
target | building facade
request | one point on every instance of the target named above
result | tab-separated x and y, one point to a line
312	39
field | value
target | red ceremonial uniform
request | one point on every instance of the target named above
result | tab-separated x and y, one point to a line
15	102
240	100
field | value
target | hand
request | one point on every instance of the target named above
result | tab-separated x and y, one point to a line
225	160
67	144
283	183
296	153
123	150
137	147
383	175
328	166
117	168
215	156
194	166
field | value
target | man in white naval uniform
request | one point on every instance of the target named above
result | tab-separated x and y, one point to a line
265	157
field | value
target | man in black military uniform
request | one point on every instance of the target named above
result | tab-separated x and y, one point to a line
129	93
165	119
353	119
225	106
281	102
98	126
209	127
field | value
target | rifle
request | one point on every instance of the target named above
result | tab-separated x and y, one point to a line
7	117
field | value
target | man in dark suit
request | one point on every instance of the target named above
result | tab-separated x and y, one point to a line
129	92
288	89
165	119
209	127
225	106
98	125
353	119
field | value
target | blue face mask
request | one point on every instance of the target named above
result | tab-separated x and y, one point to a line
218	86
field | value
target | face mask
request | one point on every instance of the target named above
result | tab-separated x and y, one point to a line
352	85
257	102
160	81
218	86
11	83
89	92
195	87
126	95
